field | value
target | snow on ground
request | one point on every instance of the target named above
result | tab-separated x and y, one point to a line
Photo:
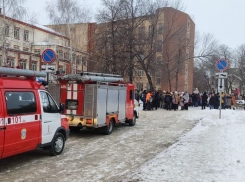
214	150
92	157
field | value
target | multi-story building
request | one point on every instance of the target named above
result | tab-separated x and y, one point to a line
22	44
172	35
166	38
81	34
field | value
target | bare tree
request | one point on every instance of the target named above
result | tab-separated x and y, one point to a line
67	12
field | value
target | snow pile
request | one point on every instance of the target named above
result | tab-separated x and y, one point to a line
212	151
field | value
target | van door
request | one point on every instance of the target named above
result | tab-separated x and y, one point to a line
21	121
51	118
130	101
2	127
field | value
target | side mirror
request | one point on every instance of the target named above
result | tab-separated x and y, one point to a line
62	108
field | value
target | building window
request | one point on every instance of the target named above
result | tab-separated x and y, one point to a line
11	62
23	64
17	33
159	46
158	80
36	51
151	31
139	73
34	66
67	56
16	47
73	58
7	30
84	61
26	49
160	29
159	60
26	35
79	60
60	54
139	86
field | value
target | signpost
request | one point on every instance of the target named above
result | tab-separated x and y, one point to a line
221	65
48	56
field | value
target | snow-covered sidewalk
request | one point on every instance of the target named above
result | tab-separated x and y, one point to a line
214	150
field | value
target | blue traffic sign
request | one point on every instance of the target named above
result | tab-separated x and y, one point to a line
48	56
221	65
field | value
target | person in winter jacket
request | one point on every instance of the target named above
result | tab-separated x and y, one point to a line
148	99
204	100
212	101
175	101
186	100
181	103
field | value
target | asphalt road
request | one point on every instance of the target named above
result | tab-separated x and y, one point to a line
89	156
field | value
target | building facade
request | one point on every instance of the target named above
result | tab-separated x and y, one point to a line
163	49
22	44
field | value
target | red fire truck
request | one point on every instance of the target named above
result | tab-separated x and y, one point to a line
29	117
95	100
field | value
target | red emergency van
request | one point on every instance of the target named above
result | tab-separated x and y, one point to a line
29	116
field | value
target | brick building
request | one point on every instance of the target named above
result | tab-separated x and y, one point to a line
172	35
172	67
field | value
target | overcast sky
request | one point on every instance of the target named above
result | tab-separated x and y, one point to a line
225	19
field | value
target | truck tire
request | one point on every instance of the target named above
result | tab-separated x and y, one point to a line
133	121
107	130
58	144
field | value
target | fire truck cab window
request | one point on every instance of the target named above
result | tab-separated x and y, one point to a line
131	95
19	103
48	103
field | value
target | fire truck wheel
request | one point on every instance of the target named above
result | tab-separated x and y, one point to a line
58	144
133	121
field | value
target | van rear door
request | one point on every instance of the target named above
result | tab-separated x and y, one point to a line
2	127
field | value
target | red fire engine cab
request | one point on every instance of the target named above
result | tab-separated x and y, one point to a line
96	100
29	116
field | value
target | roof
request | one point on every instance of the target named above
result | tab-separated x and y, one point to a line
36	26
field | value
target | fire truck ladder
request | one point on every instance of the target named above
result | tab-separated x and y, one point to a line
21	72
94	77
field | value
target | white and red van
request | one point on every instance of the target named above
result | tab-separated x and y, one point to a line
29	116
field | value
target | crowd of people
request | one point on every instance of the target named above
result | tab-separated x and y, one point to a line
183	100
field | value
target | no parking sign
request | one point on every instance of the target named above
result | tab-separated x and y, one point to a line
48	56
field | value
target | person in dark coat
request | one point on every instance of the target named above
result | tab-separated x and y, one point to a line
212	101
143	98
216	103
168	100
204	100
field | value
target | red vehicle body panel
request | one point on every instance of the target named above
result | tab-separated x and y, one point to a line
130	101
11	139
73	91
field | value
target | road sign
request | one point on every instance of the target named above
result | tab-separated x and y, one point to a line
48	68
48	56
221	75
221	85
221	65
